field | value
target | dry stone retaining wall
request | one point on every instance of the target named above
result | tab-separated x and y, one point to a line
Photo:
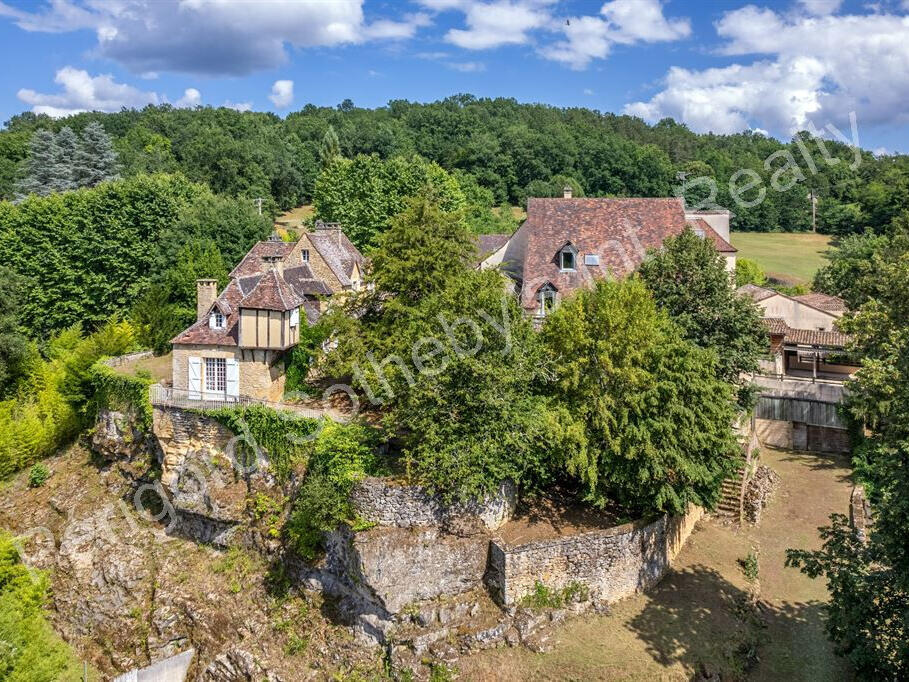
613	563
387	503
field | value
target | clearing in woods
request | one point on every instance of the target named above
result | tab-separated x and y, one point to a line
692	622
792	257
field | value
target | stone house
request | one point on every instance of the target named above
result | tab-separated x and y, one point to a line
804	341
566	243
240	338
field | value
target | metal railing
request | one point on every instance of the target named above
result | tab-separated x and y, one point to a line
164	396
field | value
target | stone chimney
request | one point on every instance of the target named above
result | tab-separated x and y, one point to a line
275	263
566	192
206	293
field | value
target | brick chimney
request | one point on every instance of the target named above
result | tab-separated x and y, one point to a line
566	192
206	293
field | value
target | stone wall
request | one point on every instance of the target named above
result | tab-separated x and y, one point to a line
387	503
800	436
612	563
394	567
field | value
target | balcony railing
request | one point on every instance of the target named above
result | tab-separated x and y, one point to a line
164	396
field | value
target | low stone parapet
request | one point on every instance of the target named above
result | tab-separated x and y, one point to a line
612	563
388	503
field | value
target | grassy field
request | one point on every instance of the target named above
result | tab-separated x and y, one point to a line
158	366
691	622
789	256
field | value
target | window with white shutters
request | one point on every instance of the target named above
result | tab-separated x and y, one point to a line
215	374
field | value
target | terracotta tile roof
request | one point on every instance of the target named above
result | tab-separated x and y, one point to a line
619	231
305	283
490	243
201	333
776	325
253	262
337	251
756	292
805	337
823	301
702	227
271	292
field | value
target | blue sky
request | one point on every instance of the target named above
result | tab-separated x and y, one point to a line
720	66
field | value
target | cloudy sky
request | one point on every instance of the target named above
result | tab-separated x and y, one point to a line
718	66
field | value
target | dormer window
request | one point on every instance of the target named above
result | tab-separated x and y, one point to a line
216	320
568	257
304	254
546	297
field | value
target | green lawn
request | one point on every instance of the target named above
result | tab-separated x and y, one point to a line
791	256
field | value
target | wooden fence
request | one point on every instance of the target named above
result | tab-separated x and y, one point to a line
812	412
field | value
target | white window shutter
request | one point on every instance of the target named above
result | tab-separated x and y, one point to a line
233	377
294	317
195	378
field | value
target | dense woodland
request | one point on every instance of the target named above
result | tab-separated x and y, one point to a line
512	150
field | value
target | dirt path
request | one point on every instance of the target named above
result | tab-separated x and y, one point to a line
693	620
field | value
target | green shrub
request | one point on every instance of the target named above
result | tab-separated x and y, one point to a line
340	456
748	271
544	597
750	567
30	651
300	357
38	475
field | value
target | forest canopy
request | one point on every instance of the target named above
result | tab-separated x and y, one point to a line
508	149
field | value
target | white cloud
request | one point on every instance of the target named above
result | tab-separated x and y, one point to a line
82	92
191	98
467	67
491	24
239	106
624	22
821	7
813	70
215	37
588	91
282	94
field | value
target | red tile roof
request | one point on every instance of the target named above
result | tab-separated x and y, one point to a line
805	337
272	293
619	231
201	333
254	262
699	224
822	301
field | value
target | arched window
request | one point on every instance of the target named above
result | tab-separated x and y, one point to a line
546	298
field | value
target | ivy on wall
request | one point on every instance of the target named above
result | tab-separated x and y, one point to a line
116	391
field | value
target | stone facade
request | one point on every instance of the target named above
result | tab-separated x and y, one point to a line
386	503
612	563
261	371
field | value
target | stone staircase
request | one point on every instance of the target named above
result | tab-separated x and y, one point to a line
730	500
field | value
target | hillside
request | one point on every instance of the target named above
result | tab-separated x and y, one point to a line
786	256
508	149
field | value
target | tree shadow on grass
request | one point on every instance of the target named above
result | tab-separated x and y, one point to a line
699	619
816	461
